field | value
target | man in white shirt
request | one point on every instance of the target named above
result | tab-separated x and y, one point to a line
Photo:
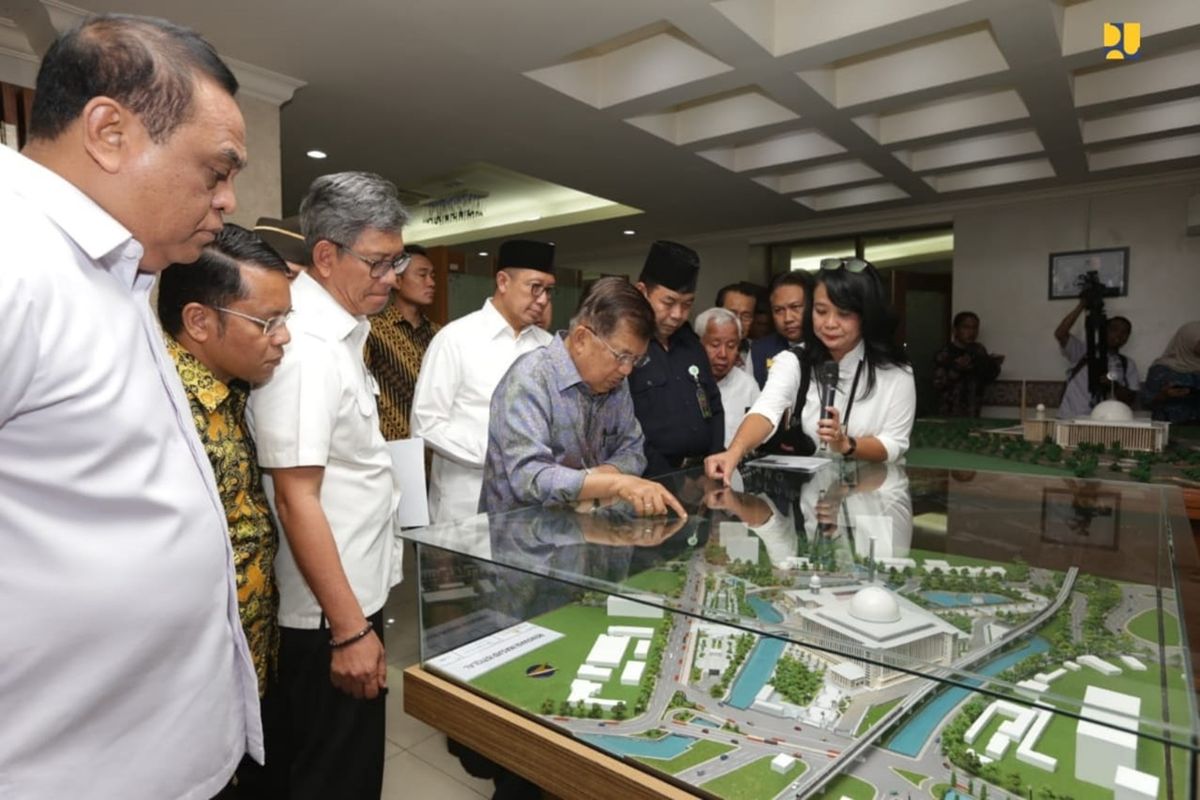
330	482
123	668
464	363
741	298
720	331
1123	377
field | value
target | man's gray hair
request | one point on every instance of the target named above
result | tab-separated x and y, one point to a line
339	207
720	316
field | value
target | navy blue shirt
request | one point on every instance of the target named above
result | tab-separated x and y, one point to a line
765	348
666	400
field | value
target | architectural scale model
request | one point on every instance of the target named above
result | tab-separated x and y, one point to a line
781	680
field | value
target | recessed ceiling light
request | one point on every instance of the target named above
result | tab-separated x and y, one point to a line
316	154
629	232
483	253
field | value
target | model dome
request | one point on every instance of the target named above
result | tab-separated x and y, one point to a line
814	582
1112	411
874	604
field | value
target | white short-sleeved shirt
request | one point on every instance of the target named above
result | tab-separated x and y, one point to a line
451	402
123	668
1077	401
319	409
887	413
738	393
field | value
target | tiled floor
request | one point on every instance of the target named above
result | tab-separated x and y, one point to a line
417	765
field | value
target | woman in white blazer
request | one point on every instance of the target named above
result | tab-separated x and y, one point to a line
851	329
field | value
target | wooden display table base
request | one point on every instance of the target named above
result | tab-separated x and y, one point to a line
554	761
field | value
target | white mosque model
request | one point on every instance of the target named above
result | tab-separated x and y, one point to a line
1110	421
869	621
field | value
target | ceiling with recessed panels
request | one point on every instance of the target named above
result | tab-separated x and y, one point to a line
709	116
861	103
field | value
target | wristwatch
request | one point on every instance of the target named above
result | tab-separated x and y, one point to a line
853	446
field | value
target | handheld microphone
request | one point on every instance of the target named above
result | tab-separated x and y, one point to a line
827	378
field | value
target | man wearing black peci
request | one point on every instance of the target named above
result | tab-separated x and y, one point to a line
674	395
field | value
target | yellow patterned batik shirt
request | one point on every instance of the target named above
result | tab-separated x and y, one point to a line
218	412
393	354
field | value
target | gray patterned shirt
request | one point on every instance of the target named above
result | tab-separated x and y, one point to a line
546	427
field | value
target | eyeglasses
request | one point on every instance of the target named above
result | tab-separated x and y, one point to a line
538	289
269	326
851	264
623	359
379	267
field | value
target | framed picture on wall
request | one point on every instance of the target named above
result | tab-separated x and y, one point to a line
1067	270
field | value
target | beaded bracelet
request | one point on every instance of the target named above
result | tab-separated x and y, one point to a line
334	645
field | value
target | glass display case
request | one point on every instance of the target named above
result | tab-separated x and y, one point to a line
863	631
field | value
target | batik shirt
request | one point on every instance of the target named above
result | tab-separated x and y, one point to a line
217	411
394	352
960	388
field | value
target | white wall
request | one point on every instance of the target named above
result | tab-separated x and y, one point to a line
260	186
1001	261
1001	257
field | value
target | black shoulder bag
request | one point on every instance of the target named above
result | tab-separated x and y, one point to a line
789	439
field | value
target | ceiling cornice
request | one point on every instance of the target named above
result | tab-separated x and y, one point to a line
262	84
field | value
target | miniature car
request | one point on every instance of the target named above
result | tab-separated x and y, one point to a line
724	756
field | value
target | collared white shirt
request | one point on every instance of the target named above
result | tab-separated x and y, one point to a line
738	393
887	413
123	668
462	367
1076	399
319	410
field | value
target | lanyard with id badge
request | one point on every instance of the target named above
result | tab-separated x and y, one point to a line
701	395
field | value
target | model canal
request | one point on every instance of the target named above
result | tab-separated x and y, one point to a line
910	738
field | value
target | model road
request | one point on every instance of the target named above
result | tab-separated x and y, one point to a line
827	753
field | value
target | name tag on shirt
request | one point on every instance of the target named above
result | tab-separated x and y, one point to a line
702	398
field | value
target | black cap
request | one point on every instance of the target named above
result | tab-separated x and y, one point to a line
526	254
671	265
285	236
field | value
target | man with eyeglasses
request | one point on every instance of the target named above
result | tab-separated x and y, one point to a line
462	366
225	324
329	477
676	399
562	428
789	296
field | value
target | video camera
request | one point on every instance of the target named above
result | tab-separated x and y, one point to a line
1092	290
1092	293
